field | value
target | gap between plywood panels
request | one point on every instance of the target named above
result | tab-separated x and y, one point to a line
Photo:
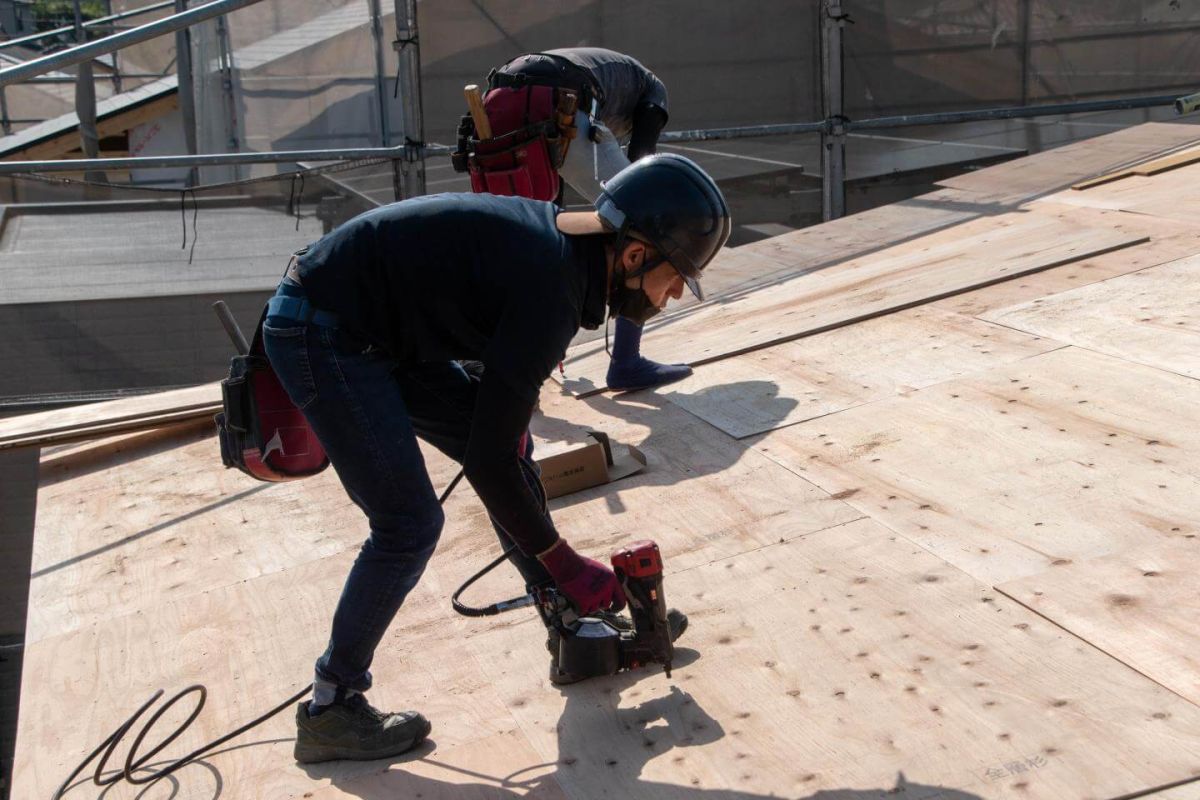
830	372
980	253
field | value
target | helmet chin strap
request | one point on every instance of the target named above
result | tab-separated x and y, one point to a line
620	276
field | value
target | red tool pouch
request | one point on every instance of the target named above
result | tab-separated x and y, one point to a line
523	156
261	432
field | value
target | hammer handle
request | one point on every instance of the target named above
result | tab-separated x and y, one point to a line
231	327
483	128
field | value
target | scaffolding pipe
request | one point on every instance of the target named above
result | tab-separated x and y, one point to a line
408	87
85	100
98	22
1016	112
86	52
71	79
385	122
212	159
833	136
699	135
742	132
187	89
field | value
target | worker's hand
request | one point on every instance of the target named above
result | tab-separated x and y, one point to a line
587	583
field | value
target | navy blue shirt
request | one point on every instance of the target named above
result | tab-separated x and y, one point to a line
457	277
462	277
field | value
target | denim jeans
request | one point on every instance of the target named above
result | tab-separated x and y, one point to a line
367	411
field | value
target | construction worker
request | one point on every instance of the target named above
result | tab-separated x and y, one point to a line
368	332
618	100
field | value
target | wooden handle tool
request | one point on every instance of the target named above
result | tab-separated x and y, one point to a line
483	128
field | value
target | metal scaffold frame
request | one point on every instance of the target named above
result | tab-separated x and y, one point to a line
408	157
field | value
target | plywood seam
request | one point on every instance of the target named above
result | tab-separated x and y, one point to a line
1098	648
805	535
868	515
1005	309
914	390
1165	787
896	309
1128	360
1093	350
485	669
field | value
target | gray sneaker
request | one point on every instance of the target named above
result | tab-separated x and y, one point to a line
676	620
352	729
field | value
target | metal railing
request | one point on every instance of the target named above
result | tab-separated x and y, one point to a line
410	152
833	129
110	44
95	23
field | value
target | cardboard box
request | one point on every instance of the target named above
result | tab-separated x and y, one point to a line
589	464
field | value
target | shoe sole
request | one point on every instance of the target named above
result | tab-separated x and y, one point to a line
317	755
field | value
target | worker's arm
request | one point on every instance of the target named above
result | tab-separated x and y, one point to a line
501	418
492	467
648	122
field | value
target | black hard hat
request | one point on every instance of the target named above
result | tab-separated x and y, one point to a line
672	203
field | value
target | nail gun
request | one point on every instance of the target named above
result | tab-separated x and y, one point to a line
591	646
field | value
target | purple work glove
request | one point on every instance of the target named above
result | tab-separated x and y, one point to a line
587	583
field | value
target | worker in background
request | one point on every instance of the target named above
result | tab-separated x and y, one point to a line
617	100
368	332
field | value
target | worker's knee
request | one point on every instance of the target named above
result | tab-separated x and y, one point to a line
414	534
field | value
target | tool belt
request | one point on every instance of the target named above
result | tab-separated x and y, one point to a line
532	127
260	430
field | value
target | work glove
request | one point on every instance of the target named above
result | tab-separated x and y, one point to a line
588	584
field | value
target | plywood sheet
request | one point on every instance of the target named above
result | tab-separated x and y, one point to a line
114	416
1147	316
833	371
738	270
167	521
1059	458
1062	166
122	527
252	643
240	596
1151	167
1170	194
1139	606
972	255
844	664
1169	240
702	496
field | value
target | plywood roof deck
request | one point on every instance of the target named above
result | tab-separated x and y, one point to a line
943	552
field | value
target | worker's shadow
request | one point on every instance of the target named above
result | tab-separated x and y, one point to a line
603	749
679	446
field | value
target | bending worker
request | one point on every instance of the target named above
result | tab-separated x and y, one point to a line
617	100
368	332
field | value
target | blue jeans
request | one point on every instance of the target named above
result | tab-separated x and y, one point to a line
367	412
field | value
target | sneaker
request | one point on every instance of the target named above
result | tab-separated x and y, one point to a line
352	729
677	621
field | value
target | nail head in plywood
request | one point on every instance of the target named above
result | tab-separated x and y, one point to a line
830	372
1147	316
833	663
1139	606
1013	472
